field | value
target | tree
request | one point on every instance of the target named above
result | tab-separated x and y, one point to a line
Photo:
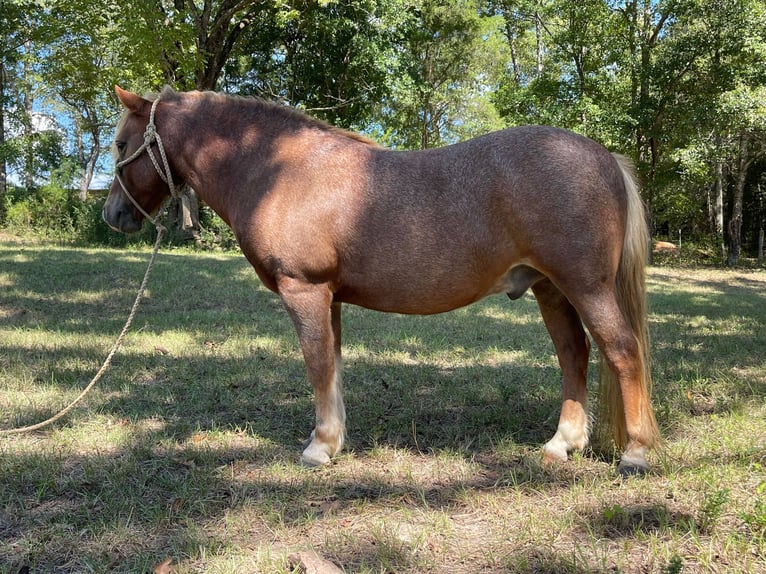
713	54
330	58
568	68
17	33
13	36
327	56
191	41
87	53
744	112
449	58
676	84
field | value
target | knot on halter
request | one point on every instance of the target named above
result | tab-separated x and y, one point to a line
150	133
151	136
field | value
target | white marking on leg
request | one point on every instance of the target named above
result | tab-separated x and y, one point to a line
333	424
568	437
340	408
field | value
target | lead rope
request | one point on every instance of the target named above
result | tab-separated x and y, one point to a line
108	360
150	136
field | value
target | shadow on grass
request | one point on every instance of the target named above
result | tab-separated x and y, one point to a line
219	298
406	386
149	491
626	521
544	561
706	341
79	291
390	555
144	501
213	297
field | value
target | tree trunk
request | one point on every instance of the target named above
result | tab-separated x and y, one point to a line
735	224
510	34
539	42
80	153
90	168
218	27
29	155
761	230
3	162
718	207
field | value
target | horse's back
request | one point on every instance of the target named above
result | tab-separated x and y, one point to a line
523	176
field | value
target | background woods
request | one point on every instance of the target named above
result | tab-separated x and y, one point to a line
678	85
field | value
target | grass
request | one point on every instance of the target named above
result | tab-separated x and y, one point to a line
189	446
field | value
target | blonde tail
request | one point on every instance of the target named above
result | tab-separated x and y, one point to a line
631	298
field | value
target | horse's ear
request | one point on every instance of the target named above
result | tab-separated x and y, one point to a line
133	102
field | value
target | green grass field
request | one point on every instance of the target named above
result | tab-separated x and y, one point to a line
189	447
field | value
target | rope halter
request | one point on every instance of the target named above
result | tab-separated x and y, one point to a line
151	136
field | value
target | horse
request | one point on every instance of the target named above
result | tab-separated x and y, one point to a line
327	217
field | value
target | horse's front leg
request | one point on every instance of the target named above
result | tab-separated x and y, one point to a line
317	321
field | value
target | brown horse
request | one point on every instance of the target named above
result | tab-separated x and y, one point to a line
327	217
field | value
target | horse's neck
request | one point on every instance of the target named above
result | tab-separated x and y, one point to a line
229	147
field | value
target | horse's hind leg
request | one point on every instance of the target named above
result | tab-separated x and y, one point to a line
317	321
572	347
634	424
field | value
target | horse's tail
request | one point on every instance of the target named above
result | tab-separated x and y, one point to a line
632	300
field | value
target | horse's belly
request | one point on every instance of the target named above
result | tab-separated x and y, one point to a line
410	303
416	293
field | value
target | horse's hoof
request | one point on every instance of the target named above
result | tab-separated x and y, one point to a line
553	458
632	468
555	451
633	462
314	455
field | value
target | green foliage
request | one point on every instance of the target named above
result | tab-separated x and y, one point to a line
214	233
331	58
49	214
52	210
449	60
755	520
675	566
678	86
712	508
56	212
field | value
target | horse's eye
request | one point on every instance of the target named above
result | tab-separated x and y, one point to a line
120	146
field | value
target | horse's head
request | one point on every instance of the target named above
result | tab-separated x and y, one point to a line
139	186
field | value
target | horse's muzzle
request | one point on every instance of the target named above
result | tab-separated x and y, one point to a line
121	217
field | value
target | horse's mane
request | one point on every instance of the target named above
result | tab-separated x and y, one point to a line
290	114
